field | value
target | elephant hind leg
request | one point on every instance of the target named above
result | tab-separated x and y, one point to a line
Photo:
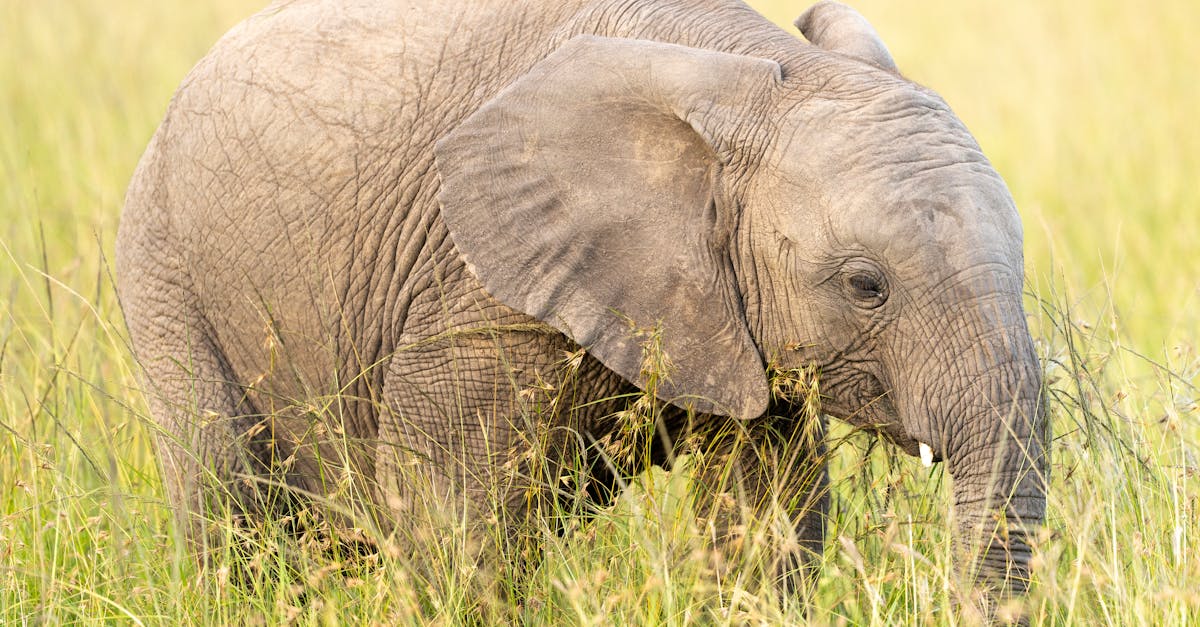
213	446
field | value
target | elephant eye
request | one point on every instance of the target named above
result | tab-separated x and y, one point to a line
867	288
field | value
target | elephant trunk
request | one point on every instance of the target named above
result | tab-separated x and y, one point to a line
999	468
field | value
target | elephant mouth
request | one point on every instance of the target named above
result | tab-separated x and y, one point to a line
928	453
875	411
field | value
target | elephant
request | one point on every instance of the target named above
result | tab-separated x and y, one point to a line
369	236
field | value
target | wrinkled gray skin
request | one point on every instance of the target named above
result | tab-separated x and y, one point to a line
367	233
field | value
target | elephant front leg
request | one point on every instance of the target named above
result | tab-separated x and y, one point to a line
764	497
465	441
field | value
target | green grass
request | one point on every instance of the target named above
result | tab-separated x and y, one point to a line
1087	110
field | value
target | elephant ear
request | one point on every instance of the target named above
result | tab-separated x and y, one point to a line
584	195
838	28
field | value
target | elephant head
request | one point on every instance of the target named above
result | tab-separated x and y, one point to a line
814	208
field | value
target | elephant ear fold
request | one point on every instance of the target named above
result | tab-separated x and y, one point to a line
583	195
838	28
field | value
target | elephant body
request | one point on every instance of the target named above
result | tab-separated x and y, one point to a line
292	247
330	276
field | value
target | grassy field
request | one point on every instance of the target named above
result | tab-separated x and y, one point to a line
1088	112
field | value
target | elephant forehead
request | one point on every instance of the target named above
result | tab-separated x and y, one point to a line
942	208
955	202
893	172
966	221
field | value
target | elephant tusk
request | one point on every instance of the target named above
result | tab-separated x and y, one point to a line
926	455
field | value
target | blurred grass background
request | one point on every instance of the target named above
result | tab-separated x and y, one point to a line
1088	110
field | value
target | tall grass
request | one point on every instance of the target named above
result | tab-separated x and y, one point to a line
1086	110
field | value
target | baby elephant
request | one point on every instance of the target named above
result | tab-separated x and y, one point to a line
379	251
